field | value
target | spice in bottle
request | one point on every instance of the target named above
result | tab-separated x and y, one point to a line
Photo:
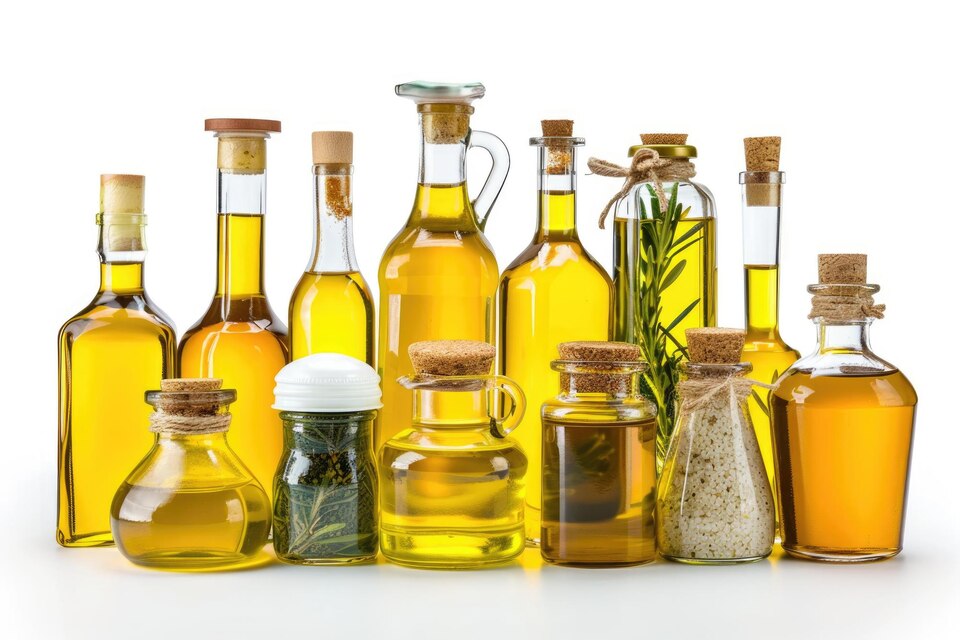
599	460
325	492
191	503
714	503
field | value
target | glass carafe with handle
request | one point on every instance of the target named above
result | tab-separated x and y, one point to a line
438	276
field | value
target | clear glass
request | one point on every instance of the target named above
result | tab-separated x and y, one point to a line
240	339
843	424
599	468
452	483
117	346
553	292
438	276
191	504
325	491
763	347
714	503
665	282
331	309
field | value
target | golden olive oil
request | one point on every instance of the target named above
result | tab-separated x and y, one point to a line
332	313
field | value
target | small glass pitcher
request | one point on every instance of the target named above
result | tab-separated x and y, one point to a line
452	485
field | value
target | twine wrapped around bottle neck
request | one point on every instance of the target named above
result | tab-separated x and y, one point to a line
842	294
190	407
170	424
646	166
697	393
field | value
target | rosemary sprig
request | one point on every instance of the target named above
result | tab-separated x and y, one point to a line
657	270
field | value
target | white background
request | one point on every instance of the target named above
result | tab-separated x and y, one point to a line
862	94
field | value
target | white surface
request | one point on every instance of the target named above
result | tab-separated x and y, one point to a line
862	95
326	383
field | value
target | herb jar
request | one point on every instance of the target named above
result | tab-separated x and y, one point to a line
599	460
325	489
714	503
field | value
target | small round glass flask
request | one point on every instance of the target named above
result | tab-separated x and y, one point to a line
190	504
714	503
452	484
325	491
599	460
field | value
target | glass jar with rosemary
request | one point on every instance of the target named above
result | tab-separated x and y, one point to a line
325	490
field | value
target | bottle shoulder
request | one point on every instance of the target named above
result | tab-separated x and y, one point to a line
107	314
239	316
845	388
444	441
560	260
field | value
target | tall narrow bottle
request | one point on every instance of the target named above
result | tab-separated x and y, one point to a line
763	348
119	345
438	276
331	310
553	292
240	339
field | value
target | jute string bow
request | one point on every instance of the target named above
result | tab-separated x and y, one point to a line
162	422
646	166
697	393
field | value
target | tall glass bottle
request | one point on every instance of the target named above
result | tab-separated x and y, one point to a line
843	422
438	276
762	186
331	310
240	339
120	344
553	292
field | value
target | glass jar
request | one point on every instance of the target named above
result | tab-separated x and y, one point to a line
599	467
714	503
452	484
191	504
325	490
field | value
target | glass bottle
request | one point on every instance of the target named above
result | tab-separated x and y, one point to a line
714	503
331	309
664	272
120	344
762	188
599	460
451	484
843	422
438	276
553	292
325	490
240	339
191	504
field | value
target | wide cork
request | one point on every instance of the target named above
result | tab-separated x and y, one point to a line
663	138
715	345
190	396
332	147
239	153
445	123
559	157
842	268
762	155
451	357
121	193
596	353
557	128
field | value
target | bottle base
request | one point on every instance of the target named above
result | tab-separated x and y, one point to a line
99	539
573	564
841	556
451	549
198	561
714	561
327	562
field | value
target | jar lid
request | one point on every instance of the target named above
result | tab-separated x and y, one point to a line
327	383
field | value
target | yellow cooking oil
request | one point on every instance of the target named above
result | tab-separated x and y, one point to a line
332	313
438	280
553	292
695	285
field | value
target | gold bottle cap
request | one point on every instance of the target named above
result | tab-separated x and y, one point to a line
451	357
121	193
332	147
667	145
714	345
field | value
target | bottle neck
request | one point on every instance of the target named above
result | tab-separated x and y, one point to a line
216	440
442	201
762	301
557	187
122	248
762	198
843	337
333	250
445	409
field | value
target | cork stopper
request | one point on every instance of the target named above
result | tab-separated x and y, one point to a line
445	123
842	268
663	138
557	128
451	357
242	143
121	193
190	406
595	353
762	154
713	345
559	156
332	147
186	385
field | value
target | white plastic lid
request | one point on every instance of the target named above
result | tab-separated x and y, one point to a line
327	383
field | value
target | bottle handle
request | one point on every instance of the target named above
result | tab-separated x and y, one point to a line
485	200
503	422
